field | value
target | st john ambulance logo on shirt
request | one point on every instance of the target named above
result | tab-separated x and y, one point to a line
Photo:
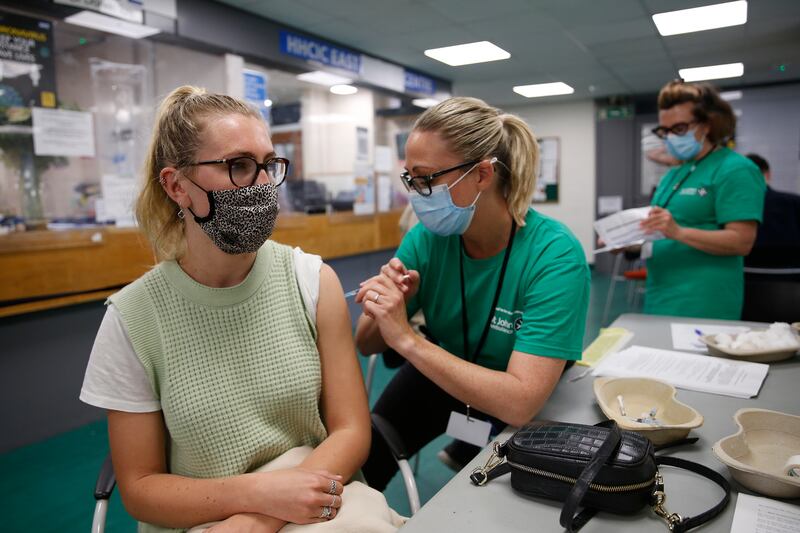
702	191
506	321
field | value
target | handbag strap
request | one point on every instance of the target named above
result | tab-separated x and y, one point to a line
677	523
568	519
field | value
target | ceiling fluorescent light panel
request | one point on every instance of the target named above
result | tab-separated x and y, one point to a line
468	54
712	72
343	89
98	21
543	89
424	102
324	78
701	18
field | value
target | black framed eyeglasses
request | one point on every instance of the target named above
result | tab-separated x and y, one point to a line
422	184
677	129
243	171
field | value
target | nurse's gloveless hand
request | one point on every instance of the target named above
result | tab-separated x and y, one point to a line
406	280
384	302
661	220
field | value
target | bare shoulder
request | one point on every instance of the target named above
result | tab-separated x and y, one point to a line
329	281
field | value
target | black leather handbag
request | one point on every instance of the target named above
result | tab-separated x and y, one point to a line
600	468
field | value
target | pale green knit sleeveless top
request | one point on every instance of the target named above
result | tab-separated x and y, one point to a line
236	369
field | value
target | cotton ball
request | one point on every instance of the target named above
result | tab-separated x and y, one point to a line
723	340
778	336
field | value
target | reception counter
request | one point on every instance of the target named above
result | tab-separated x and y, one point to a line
48	269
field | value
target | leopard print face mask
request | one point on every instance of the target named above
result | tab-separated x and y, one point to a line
240	220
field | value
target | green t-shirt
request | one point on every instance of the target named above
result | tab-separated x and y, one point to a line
681	280
542	306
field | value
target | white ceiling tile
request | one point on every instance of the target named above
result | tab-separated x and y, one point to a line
580	12
593	34
461	11
611	44
660	6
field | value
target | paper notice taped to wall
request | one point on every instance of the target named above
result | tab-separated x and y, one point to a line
61	132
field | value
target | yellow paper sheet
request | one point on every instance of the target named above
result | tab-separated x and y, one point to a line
609	341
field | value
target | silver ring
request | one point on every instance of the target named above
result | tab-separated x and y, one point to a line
326	512
377	297
333	501
332	489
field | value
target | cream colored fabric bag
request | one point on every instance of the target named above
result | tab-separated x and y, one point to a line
363	510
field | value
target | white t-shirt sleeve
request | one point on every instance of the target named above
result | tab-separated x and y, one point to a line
115	378
306	269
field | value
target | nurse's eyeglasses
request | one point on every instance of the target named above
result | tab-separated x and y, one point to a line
243	171
422	184
676	129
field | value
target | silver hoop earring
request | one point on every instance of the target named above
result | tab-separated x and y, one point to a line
181	214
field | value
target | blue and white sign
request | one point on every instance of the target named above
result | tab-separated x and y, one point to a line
315	50
419	83
255	91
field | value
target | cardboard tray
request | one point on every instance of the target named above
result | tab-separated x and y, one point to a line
757	454
640	395
754	356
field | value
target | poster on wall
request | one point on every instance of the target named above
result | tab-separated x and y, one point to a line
255	92
362	143
27	68
62	132
546	189
364	190
383	167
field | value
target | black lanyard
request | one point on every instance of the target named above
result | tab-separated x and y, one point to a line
683	179
464	321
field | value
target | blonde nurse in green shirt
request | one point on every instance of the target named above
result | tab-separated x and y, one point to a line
708	209
504	289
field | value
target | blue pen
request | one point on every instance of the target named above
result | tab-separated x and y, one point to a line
699	333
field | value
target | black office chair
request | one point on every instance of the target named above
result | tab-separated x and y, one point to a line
102	492
307	196
771	294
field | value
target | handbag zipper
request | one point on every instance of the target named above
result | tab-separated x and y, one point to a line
594	486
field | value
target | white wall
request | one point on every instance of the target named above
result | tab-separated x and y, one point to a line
329	123
767	124
573	123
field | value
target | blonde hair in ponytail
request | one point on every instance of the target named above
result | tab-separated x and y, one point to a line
176	138
476	130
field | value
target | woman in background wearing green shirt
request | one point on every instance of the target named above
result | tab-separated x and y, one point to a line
708	208
503	288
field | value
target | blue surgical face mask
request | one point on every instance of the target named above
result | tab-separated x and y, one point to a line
684	147
439	214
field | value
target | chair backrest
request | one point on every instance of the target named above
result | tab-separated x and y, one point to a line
771	297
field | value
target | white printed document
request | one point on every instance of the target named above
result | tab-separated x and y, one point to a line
622	229
762	515
686	337
695	372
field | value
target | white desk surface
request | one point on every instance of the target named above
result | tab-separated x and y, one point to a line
496	508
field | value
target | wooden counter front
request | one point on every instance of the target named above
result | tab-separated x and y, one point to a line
48	269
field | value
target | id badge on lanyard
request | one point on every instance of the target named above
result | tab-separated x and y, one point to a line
463	427
471	430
